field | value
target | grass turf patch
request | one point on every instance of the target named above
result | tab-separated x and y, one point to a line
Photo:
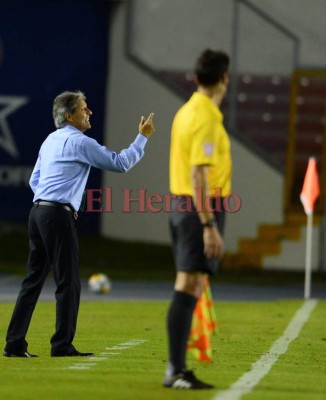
246	331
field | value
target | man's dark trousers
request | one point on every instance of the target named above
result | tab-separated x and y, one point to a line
53	246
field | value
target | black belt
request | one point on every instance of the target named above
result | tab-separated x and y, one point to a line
56	204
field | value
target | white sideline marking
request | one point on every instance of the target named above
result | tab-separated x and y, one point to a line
87	363
260	368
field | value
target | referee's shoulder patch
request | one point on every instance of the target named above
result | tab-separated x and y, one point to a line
208	149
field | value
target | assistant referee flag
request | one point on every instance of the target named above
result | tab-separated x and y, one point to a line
204	323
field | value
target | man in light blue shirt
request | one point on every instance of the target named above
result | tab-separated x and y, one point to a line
58	182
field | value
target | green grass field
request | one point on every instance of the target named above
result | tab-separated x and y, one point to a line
132	334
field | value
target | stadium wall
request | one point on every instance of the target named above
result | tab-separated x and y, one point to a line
132	93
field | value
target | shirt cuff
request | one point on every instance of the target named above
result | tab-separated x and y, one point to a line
141	140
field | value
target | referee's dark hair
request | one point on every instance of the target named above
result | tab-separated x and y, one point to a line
211	67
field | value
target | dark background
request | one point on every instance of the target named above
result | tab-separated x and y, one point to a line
45	48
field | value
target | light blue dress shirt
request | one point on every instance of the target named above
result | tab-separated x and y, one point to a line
65	159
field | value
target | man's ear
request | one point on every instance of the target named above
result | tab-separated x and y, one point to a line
68	117
195	79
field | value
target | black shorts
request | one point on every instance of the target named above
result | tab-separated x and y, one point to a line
187	238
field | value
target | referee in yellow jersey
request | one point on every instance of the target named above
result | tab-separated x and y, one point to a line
200	169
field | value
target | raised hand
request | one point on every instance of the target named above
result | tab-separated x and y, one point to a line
146	126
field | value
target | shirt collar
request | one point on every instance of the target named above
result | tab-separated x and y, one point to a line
69	129
208	102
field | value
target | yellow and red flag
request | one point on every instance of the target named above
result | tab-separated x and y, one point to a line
204	323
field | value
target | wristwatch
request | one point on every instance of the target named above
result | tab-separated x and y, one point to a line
209	223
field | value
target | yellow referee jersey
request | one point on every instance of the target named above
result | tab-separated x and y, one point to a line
198	137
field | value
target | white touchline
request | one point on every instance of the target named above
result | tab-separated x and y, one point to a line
260	368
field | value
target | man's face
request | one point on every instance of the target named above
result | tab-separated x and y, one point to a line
80	118
220	89
225	82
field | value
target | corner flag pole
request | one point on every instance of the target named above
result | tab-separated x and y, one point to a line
308	196
307	279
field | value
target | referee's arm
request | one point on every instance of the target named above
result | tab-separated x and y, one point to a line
213	241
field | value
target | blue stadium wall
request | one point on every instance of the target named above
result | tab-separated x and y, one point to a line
45	48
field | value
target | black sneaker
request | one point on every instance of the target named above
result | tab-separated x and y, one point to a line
185	380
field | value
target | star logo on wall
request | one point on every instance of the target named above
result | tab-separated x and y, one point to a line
8	105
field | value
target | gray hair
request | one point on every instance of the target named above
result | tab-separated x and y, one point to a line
65	102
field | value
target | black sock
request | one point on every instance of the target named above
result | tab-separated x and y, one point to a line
179	320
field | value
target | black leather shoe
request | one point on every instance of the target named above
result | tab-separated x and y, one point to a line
74	353
26	354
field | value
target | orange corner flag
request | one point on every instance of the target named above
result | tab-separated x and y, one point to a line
203	325
310	189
